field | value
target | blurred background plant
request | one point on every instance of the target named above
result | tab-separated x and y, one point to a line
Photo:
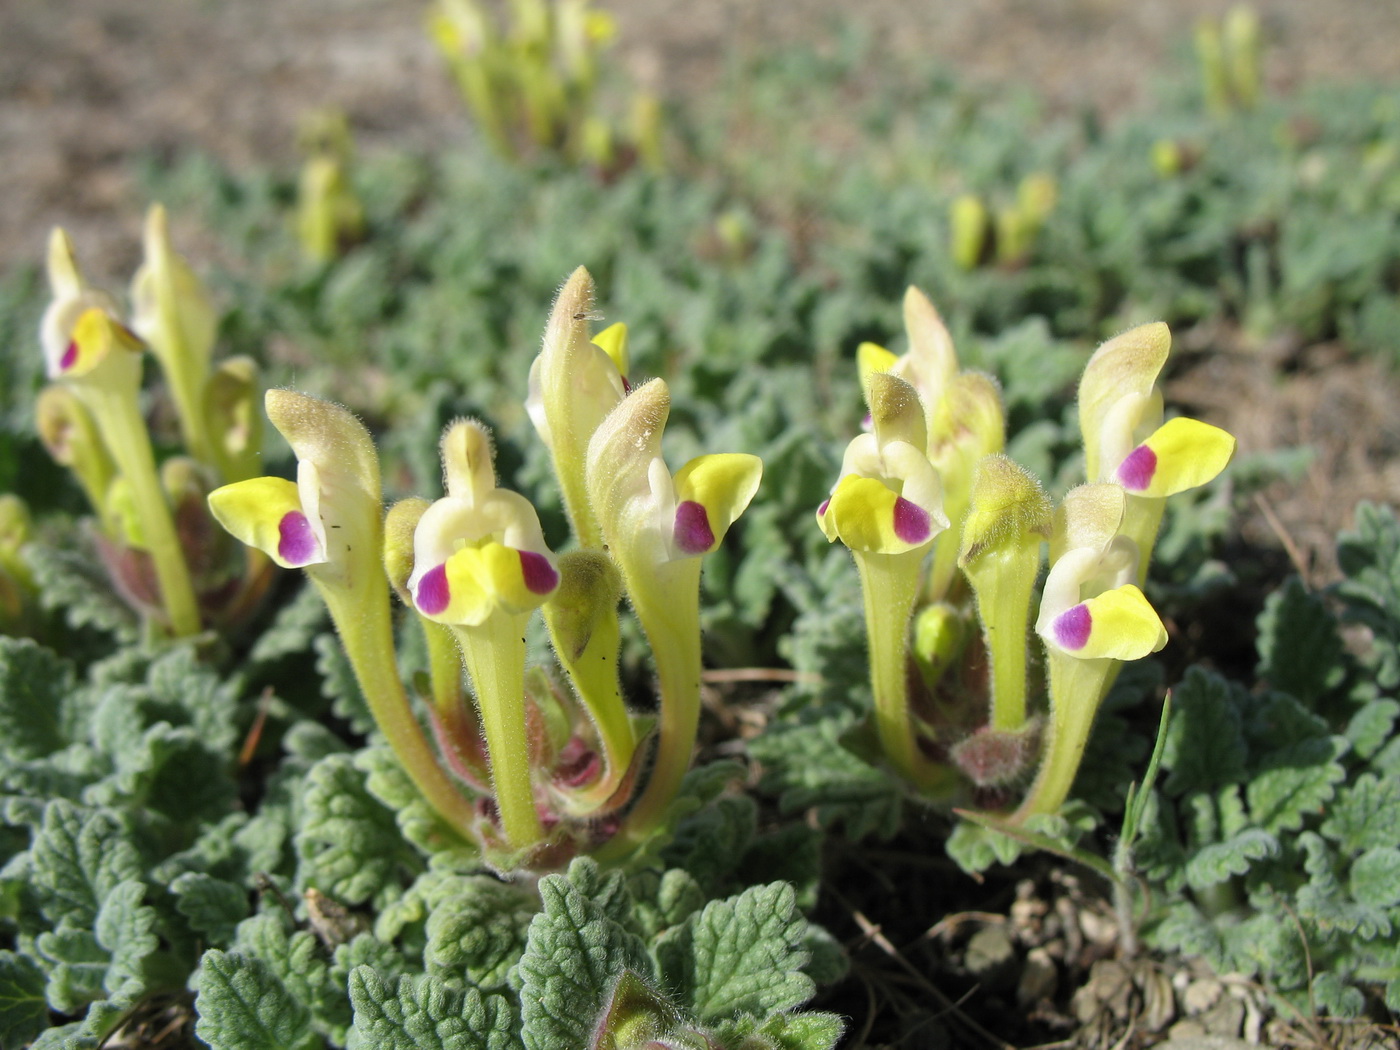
533	83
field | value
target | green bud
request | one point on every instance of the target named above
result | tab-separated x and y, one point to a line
940	632
1241	52
969	224
399	526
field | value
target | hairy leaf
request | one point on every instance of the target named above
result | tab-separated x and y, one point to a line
742	955
428	1014
574	955
243	1006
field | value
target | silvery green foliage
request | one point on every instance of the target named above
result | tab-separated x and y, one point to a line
1276	837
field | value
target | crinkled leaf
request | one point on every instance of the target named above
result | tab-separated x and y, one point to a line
23	1010
76	966
1300	651
35	688
339	685
349	842
70	580
806	766
126	928
1205	745
574	955
1219	861
293	628
242	1005
742	955
662	900
214	907
1295	783
428	1014
805	1031
711	842
1366	815
478	931
1372	727
1370	559
1375	877
419	823
78	857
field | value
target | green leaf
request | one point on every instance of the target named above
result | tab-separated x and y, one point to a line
574	955
1370	559
24	1013
428	1014
78	857
1219	861
419	823
1300	651
1295	783
1332	993
806	1031
349	842
293	628
1205	746
663	900
806	766
35	687
742	955
127	929
69	580
242	1005
76	966
214	907
711	842
478	931
1372	727
1375	877
1366	815
975	847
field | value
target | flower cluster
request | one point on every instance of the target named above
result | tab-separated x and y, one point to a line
152	527
946	529
531	767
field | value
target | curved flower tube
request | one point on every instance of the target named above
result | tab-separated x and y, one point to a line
1092	617
1126	441
172	313
574	384
329	523
887	508
656	527
96	357
1008	519
481	566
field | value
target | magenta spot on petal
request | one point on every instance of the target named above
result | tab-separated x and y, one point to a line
433	593
911	522
1135	472
1072	628
540	577
296	543
693	534
69	358
822	509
